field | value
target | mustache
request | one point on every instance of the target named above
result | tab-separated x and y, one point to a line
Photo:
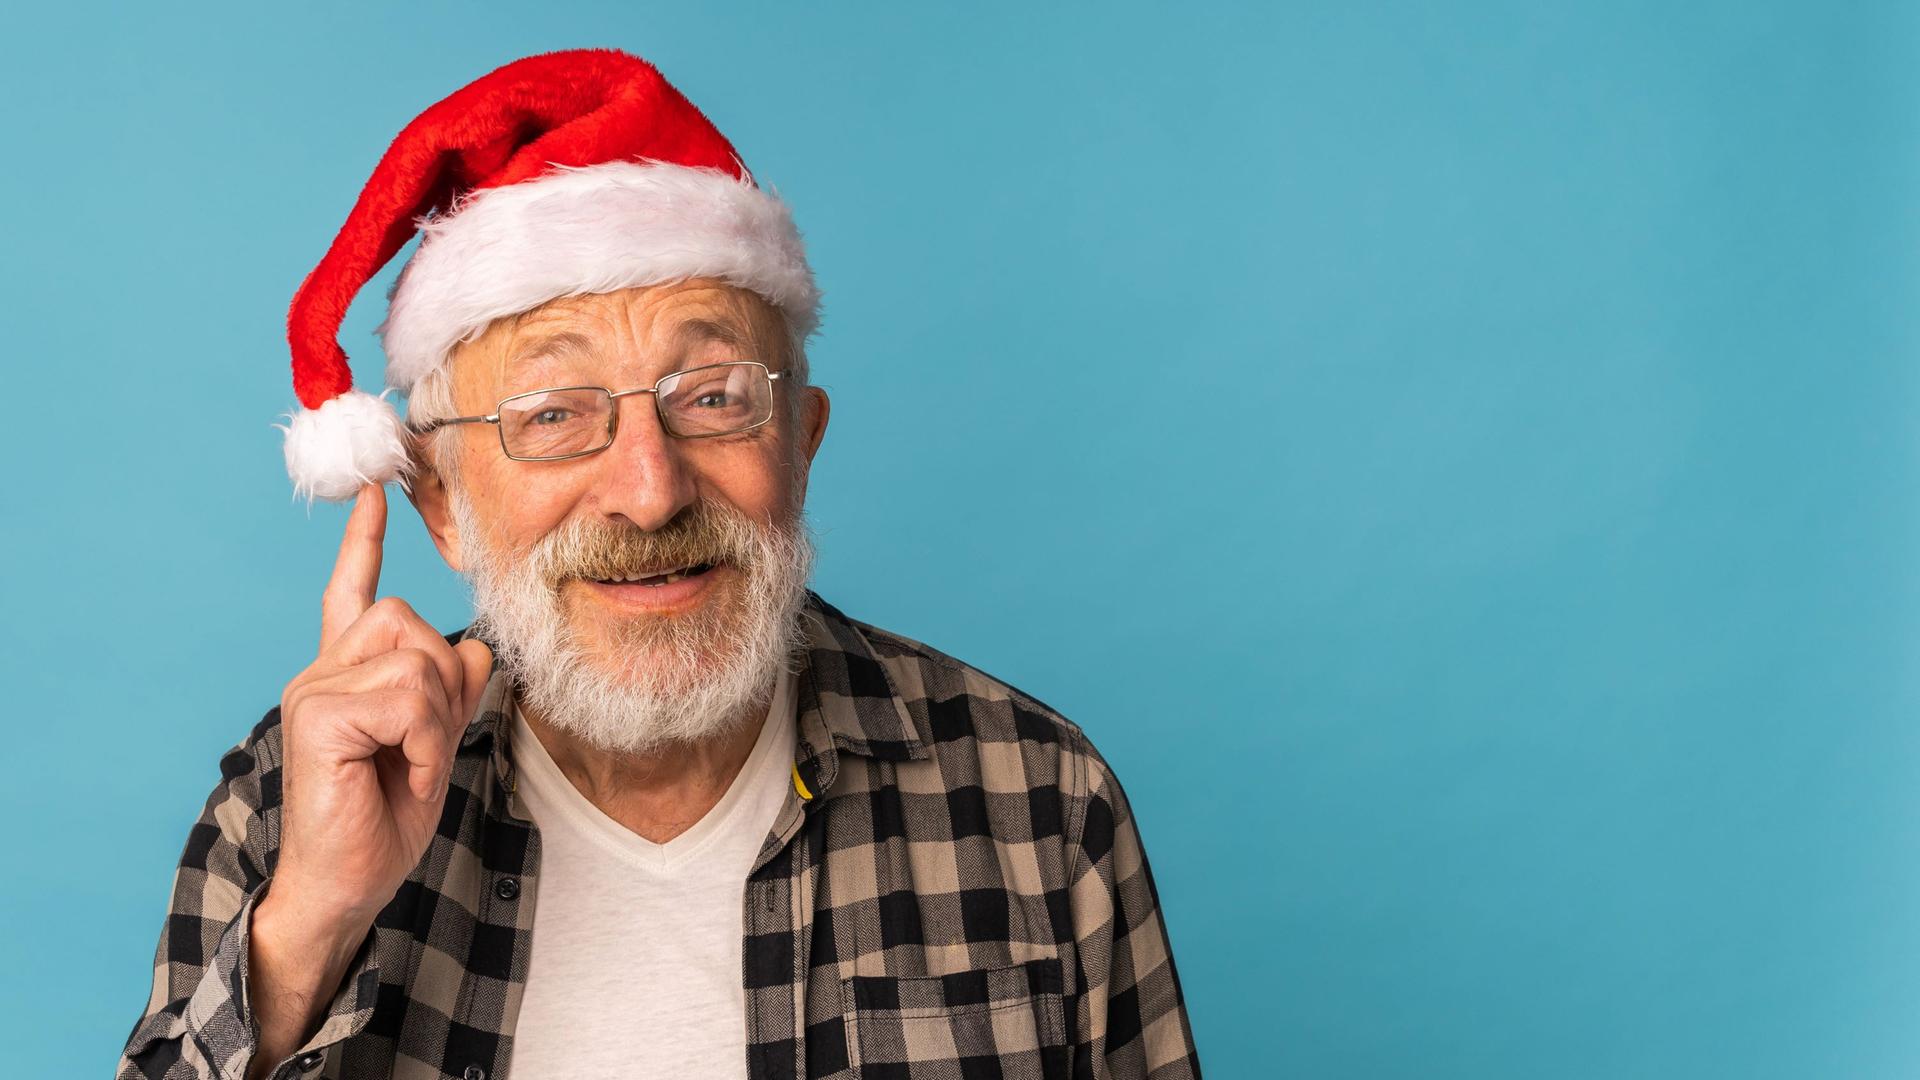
594	548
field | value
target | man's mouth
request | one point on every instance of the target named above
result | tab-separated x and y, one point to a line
658	578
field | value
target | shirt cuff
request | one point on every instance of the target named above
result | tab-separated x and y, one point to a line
219	1016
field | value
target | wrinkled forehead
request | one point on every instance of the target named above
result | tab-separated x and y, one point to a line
634	335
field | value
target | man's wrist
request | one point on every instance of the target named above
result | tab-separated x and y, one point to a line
297	961
297	940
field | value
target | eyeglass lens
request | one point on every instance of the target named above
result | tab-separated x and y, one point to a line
714	400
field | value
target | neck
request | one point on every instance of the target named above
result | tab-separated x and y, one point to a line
657	795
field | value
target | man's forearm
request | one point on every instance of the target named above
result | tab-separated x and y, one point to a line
295	965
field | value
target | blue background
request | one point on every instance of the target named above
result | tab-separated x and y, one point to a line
1483	540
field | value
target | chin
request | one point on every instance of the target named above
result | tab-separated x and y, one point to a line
657	650
651	669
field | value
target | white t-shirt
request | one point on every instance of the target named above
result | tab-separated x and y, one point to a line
636	969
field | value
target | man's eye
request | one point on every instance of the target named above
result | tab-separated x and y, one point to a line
712	399
551	416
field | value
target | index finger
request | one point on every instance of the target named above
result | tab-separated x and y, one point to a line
356	571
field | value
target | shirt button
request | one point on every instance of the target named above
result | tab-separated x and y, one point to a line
475	1072
506	889
309	1061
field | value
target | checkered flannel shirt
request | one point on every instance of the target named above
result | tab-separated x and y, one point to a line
955	887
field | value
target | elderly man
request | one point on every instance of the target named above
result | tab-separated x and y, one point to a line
661	810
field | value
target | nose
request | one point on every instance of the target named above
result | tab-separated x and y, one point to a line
644	475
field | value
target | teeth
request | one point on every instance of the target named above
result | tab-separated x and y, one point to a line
671	576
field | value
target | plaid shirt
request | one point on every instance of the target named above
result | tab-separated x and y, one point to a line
955	887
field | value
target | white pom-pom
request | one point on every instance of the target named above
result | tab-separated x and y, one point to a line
350	440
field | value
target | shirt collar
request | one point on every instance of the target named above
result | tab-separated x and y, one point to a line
847	698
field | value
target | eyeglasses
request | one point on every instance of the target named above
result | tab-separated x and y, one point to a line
573	421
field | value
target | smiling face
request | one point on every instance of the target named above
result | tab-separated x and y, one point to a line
645	593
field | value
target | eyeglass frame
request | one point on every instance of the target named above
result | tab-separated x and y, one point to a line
613	411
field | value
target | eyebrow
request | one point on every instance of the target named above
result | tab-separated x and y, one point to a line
555	344
695	330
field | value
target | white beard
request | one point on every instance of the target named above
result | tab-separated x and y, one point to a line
662	680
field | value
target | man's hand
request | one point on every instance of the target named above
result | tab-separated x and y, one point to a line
368	732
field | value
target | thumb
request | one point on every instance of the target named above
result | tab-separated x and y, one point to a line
476	665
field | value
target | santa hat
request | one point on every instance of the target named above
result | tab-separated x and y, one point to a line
560	174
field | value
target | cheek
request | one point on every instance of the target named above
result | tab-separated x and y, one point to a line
757	485
516	513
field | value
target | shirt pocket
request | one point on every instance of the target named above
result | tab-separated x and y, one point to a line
953	1025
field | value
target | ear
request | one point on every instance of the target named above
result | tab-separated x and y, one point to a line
813	420
428	494
814	407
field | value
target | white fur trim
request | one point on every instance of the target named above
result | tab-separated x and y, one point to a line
350	440
591	229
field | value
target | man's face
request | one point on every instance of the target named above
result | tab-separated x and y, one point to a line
634	665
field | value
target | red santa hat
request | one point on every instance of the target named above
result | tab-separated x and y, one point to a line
560	174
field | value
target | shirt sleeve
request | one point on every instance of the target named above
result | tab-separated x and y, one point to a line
197	1024
1131	1021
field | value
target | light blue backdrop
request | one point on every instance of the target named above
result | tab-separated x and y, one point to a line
1483	542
